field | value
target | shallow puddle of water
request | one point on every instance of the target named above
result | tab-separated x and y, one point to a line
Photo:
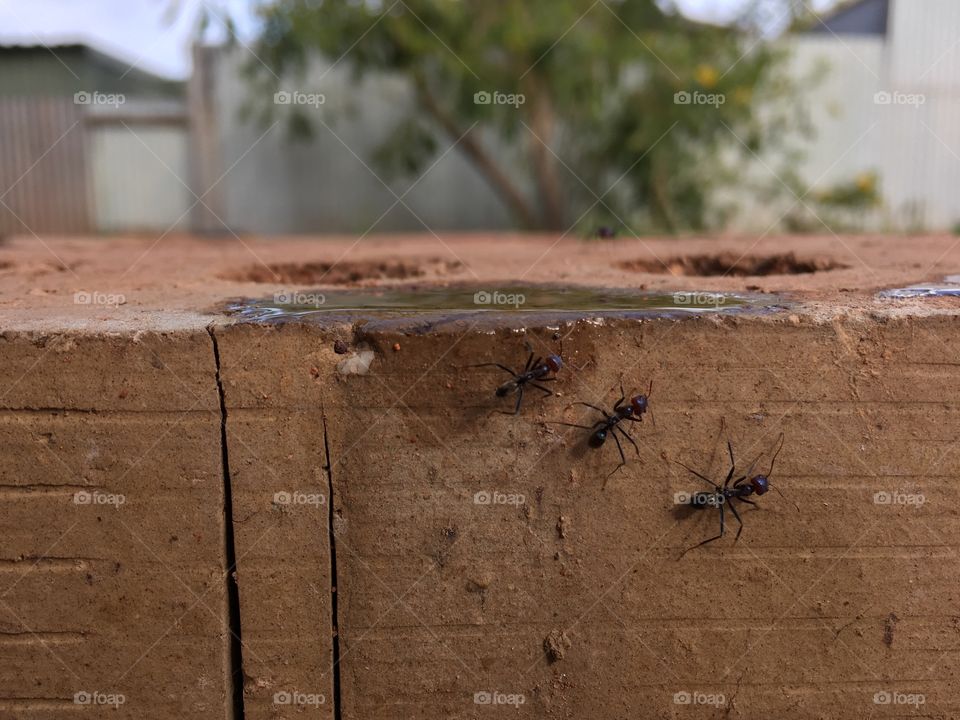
924	291
508	300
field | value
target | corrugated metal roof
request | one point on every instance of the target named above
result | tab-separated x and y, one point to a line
53	43
865	17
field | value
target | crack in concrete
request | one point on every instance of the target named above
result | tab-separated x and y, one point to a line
334	612
230	552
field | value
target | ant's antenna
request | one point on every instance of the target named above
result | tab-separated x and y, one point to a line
770	471
774	458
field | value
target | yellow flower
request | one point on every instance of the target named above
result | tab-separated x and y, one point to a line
706	75
866	182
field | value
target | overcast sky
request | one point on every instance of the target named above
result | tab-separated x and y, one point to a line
146	33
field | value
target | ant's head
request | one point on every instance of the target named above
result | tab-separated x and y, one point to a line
553	362
639	405
760	484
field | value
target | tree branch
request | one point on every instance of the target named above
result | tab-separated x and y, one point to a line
470	145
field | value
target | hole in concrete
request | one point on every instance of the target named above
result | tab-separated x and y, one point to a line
346	272
734	265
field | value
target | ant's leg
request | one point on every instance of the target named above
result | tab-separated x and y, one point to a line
529	362
542	388
600	410
502	367
516	410
627	436
708	540
748	502
556	422
623	396
732	465
733	509
623	460
702	477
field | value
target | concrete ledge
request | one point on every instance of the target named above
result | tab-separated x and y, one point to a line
373	584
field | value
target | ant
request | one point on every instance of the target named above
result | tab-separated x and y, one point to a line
610	425
742	488
533	371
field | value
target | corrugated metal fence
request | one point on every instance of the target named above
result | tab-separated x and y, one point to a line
73	168
43	170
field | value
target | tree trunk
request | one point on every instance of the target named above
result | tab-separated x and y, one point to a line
544	162
661	198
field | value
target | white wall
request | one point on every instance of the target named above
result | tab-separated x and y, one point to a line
134	187
914	147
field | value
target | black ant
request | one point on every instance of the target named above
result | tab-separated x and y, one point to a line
533	371
610	425
742	488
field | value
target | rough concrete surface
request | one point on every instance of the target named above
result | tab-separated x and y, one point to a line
403	550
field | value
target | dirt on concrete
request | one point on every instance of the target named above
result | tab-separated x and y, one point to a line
403	548
131	283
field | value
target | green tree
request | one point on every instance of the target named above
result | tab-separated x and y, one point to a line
623	112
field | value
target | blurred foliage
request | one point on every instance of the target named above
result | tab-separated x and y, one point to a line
859	193
844	206
632	115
